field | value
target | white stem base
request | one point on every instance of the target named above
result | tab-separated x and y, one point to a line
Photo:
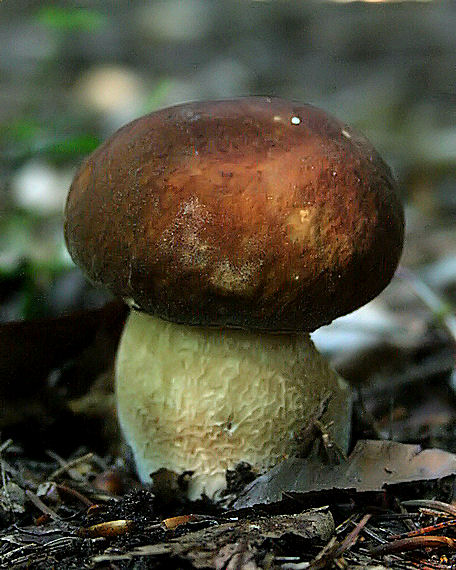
203	400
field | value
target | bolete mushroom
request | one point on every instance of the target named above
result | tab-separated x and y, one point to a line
233	229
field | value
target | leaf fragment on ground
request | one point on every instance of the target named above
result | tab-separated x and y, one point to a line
372	466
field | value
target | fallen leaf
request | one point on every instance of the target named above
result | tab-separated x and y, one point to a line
372	466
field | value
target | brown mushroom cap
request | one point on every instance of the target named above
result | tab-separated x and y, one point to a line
255	212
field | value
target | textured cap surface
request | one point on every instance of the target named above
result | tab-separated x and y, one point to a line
254	212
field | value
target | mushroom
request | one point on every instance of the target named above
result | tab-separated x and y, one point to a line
233	229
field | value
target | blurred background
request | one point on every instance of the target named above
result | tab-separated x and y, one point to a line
73	72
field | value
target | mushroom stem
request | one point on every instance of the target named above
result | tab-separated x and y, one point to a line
203	400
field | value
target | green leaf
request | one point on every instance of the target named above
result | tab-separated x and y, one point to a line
71	147
71	19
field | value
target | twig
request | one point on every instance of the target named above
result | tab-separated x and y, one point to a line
76	494
295	565
69	465
414	543
4	446
352	537
41	506
331	553
424	530
429	504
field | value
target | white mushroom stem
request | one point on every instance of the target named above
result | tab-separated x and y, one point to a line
203	399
